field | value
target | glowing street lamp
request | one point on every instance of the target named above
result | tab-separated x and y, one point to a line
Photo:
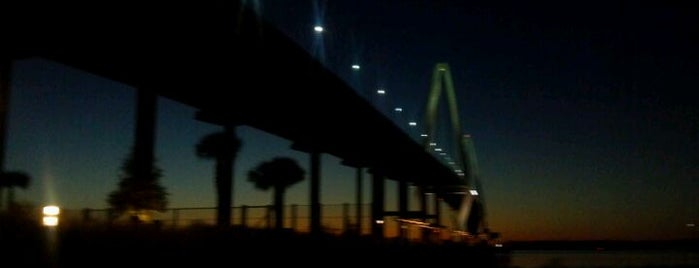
51	215
381	91
318	29
398	109
412	123
355	66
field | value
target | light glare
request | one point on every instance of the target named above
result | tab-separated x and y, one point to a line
381	91
412	123
398	109
51	210
50	221
318	29
473	192
355	66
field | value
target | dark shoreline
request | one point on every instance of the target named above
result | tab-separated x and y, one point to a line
124	246
605	245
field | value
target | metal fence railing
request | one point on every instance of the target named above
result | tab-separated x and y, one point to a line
335	219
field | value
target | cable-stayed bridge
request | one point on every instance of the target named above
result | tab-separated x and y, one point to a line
237	69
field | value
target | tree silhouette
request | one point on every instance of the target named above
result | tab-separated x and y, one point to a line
138	196
222	147
10	180
278	173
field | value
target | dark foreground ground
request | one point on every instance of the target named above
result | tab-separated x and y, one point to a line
30	245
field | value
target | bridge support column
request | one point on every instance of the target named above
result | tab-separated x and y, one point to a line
377	205
424	233
5	68
403	206
144	136
437	210
423	202
316	227
314	191
360	190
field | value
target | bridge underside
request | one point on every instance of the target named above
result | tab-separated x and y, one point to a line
234	68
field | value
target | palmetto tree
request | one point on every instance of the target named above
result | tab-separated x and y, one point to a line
10	180
278	174
222	147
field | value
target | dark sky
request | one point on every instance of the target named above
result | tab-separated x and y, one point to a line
583	113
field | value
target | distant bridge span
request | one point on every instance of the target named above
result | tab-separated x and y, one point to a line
221	59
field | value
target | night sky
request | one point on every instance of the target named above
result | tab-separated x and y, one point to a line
584	114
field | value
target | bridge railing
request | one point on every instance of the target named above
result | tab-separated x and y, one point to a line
336	219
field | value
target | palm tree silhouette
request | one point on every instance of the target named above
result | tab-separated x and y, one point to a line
278	173
10	180
222	147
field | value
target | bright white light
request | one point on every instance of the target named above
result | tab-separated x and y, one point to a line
437	149
50	221
473	192
381	91
355	66
318	29
460	174
433	144
398	109
379	221
498	245
51	210
412	123
423	135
